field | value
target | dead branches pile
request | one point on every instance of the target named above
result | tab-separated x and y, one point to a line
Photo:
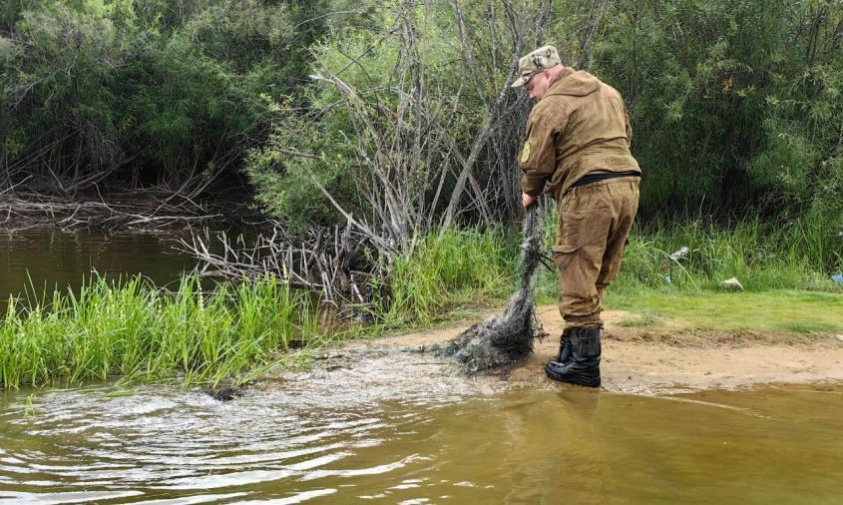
126	210
339	263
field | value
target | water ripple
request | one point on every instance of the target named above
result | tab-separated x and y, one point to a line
176	447
168	446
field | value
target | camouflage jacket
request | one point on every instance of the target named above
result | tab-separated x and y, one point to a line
580	126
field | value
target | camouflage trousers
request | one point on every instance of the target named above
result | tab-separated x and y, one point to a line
594	223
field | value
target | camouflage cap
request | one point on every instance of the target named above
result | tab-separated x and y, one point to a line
542	58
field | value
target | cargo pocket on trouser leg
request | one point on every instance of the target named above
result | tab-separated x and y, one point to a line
577	300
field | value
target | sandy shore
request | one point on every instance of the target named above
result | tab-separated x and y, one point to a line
644	360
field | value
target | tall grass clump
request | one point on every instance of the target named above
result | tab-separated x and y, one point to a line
799	254
135	331
449	269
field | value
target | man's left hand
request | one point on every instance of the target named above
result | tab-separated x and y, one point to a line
527	200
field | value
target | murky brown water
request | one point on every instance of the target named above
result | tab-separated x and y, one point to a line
49	258
552	445
408	434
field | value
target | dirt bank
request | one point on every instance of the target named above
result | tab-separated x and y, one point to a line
649	359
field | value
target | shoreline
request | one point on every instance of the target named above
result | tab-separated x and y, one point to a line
651	360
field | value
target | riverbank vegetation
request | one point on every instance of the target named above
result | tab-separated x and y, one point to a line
735	107
113	95
773	316
391	125
233	333
135	331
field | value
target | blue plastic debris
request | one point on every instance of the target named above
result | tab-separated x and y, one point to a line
837	278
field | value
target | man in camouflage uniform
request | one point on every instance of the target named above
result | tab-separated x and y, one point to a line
577	149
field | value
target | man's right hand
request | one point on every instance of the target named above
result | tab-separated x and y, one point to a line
527	200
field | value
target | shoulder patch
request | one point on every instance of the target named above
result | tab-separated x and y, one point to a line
525	152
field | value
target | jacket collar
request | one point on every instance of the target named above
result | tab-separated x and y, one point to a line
565	72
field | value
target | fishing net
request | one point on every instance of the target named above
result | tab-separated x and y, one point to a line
507	338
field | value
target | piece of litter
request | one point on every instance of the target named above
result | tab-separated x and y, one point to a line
838	278
680	253
732	284
839	337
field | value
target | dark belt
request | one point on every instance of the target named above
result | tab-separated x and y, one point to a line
602	176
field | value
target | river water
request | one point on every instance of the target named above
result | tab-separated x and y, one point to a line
545	445
351	436
47	258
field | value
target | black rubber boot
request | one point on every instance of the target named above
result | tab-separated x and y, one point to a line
583	369
564	355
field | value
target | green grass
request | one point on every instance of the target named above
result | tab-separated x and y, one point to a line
772	311
795	254
234	333
448	271
137	332
785	269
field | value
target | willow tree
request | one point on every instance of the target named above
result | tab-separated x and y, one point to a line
412	125
158	93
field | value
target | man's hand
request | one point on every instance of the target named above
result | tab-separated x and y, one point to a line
526	200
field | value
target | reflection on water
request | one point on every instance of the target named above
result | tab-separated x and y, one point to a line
385	439
557	445
49	258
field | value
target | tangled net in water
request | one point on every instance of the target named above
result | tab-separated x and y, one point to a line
507	338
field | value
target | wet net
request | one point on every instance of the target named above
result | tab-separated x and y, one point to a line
507	338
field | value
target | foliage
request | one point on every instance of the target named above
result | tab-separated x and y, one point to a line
399	112
152	92
138	332
735	108
735	105
445	271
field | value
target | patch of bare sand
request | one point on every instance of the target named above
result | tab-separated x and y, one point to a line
651	359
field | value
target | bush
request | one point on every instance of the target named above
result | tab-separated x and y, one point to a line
144	92
735	105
